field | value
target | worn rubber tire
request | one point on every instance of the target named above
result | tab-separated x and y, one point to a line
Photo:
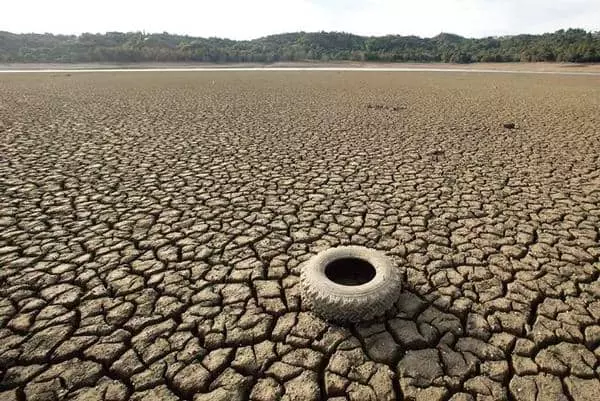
345	303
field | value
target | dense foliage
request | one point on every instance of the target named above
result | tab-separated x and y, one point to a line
573	45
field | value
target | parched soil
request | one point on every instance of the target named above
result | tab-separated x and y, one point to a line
153	225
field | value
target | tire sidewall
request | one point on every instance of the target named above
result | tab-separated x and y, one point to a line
315	269
341	302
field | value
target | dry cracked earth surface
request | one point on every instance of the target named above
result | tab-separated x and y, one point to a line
153	227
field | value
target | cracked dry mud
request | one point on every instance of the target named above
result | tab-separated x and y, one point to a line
152	226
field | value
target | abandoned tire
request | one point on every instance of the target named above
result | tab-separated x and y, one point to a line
350	284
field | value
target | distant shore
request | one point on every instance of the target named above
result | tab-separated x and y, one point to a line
536	67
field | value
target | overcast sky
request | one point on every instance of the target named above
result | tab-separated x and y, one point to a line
247	19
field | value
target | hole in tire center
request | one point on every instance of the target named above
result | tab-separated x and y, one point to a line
350	271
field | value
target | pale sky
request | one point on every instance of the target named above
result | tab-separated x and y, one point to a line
248	19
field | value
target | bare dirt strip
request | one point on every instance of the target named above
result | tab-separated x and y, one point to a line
541	67
152	228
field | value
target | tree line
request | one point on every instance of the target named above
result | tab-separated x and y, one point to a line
571	45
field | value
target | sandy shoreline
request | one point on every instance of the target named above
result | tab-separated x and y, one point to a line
513	67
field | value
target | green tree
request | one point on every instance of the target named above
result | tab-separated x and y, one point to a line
563	45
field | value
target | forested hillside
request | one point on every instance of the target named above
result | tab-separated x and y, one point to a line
572	45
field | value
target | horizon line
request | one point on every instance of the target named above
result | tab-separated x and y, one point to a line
295	32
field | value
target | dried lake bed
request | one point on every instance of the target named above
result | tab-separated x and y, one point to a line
153	226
